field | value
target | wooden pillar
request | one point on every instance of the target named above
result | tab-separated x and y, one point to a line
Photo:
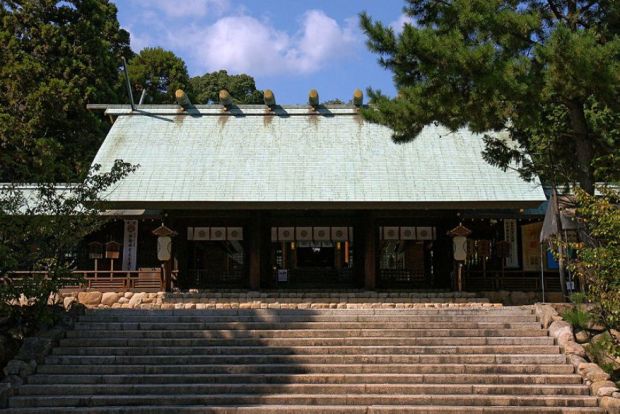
255	246
370	251
167	269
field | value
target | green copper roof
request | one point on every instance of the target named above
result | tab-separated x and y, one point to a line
294	155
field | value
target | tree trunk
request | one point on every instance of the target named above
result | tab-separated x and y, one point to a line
584	152
558	218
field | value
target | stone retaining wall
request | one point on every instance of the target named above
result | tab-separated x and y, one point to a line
593	375
316	299
272	300
521	298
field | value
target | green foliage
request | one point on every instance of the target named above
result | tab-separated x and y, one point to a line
159	72
578	298
205	89
56	57
547	72
601	350
598	256
577	316
41	227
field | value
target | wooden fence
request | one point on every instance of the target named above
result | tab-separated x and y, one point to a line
143	280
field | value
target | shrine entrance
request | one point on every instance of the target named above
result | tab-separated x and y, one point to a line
312	257
406	257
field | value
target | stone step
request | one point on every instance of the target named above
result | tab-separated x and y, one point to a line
378	302
334	378
296	293
310	359
304	399
309	409
305	333
351	341
502	311
295	368
156	325
295	390
207	317
455	359
311	350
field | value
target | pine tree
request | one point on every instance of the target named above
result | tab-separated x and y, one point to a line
547	71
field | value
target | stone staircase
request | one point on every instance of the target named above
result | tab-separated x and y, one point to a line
422	360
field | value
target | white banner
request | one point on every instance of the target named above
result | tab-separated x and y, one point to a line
130	245
510	235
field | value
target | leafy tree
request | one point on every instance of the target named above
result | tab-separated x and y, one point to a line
242	88
159	72
56	57
598	258
545	70
41	227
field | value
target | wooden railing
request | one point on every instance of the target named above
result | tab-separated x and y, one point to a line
203	278
511	280
316	277
392	278
143	280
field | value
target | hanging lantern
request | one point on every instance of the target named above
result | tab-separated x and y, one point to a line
112	250
164	242
95	250
459	242
483	248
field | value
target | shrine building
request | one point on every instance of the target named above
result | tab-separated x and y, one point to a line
296	196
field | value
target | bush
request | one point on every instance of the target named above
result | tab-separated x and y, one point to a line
41	228
578	316
598	254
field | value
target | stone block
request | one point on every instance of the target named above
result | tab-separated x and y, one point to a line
582	337
576	360
136	299
603	388
610	404
559	329
35	348
55	334
69	301
545	313
574	348
592	372
110	298
20	368
90	298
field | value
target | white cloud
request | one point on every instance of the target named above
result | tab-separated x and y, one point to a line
188	8
245	44
241	43
399	24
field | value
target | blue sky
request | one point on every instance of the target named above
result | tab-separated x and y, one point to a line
289	46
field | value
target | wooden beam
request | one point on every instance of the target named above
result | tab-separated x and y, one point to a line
269	97
255	247
370	252
225	98
358	97
182	99
313	98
